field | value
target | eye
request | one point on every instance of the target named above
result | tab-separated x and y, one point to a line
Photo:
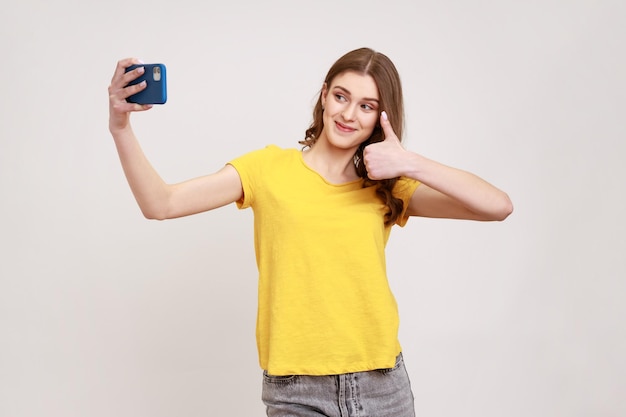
340	97
367	107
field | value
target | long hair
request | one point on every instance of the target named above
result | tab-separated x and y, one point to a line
366	61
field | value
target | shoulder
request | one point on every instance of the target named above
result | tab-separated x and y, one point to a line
259	165
269	153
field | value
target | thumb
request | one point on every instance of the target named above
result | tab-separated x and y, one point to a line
386	125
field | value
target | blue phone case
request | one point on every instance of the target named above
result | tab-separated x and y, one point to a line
156	88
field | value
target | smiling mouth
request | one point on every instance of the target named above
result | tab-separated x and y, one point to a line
344	128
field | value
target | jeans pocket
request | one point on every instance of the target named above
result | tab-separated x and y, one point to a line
398	365
279	379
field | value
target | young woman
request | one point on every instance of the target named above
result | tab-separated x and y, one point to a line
327	325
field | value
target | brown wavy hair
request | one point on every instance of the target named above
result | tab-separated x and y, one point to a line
366	61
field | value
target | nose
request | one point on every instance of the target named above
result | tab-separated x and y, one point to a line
349	112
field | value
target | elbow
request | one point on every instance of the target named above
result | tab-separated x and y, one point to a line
498	210
505	208
154	217
153	213
151	216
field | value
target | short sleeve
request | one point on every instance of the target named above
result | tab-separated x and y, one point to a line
250	167
404	189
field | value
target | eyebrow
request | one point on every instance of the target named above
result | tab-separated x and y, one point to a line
348	92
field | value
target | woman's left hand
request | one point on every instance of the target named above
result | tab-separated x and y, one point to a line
386	159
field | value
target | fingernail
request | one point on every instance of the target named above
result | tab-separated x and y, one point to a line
384	114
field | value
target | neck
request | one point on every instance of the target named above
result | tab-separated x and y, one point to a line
335	165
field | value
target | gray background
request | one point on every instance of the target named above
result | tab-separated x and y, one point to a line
103	313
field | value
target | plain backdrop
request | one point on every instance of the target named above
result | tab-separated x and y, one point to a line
105	313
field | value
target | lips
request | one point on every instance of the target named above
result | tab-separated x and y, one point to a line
344	128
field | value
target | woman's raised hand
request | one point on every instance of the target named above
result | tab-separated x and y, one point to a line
386	159
119	90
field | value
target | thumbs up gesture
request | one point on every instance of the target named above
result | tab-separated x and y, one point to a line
386	159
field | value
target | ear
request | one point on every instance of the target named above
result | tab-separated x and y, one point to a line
324	94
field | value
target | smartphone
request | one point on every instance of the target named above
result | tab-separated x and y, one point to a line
156	88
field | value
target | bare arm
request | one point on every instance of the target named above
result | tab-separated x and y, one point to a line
448	192
445	192
157	199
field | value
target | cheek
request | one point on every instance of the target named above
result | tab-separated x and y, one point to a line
369	122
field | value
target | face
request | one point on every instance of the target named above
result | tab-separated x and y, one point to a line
351	110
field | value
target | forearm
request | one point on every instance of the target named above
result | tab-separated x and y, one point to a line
149	189
470	191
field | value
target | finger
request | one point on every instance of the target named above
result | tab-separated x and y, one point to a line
125	107
138	107
386	125
130	90
123	77
122	64
142	107
128	77
117	94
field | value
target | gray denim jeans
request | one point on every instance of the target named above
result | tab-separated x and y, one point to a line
379	393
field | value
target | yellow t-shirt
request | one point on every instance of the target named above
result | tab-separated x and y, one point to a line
325	306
